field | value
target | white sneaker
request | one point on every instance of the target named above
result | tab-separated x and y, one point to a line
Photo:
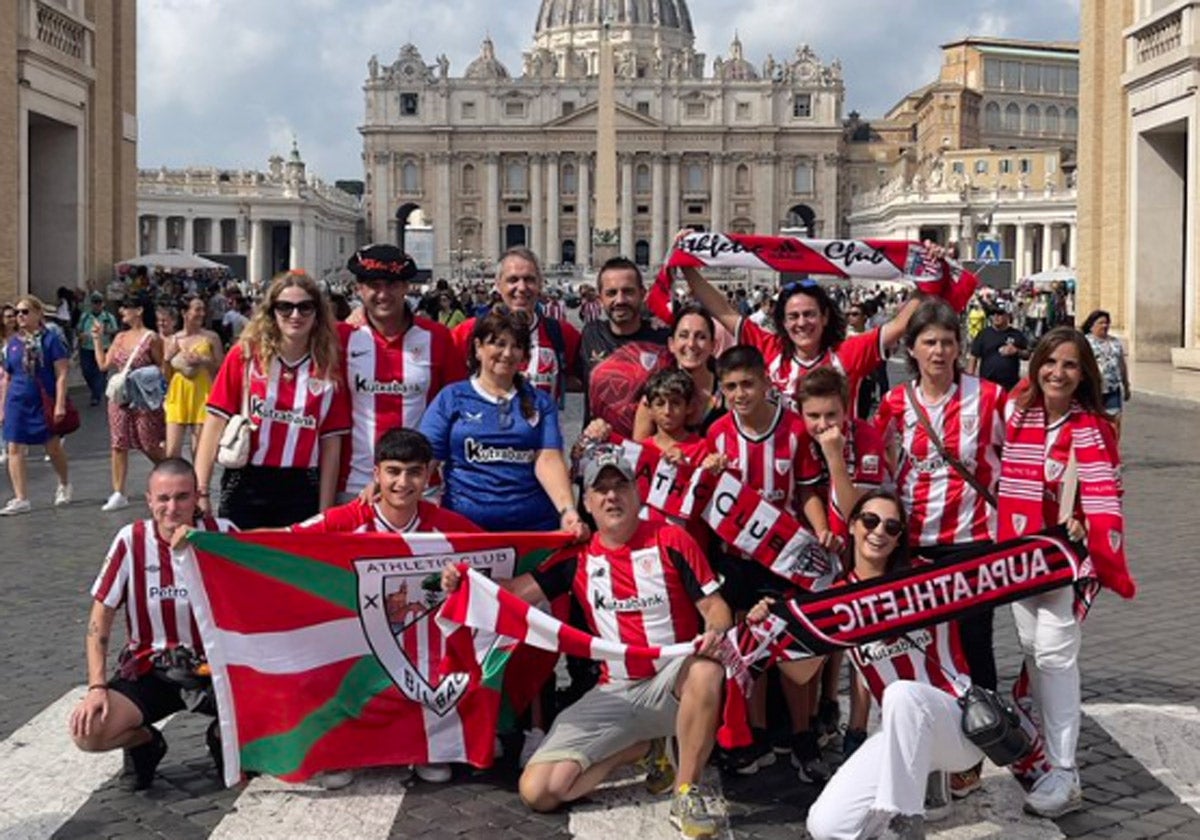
333	779
15	506
3	453
1055	794
437	774
62	496
116	501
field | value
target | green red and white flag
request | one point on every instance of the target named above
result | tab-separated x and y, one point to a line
325	655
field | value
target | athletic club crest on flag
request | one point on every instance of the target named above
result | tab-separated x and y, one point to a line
394	596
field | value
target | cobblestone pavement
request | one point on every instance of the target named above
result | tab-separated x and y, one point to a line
1139	752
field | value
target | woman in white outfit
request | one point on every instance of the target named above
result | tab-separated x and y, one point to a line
880	790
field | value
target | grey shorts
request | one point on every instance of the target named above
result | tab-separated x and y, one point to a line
613	717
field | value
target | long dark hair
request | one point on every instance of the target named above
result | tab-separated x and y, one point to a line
1089	392
504	321
899	557
835	327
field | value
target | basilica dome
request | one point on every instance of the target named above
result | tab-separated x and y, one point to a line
662	14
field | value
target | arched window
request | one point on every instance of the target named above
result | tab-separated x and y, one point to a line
1070	122
641	252
1033	120
741	179
410	181
991	116
694	181
570	185
641	178
802	178
468	178
1012	117
1052	125
514	176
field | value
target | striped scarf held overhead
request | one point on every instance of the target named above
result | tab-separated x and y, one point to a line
1023	484
865	260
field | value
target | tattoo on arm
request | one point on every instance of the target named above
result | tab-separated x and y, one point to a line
93	628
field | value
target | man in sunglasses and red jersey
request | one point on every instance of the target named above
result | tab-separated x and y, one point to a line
395	361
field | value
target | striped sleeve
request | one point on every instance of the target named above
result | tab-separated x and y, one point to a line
109	588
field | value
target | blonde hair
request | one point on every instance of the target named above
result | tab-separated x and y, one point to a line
261	338
35	304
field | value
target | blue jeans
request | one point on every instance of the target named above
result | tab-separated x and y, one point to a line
92	375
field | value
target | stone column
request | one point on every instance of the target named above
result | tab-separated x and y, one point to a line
717	197
764	194
489	242
255	259
627	202
583	211
672	194
658	242
189	234
443	227
1072	245
552	251
536	203
296	245
1047	247
160	233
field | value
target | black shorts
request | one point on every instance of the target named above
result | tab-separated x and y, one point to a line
746	582
269	497
155	698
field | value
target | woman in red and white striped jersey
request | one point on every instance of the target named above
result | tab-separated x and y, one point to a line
945	479
916	679
285	371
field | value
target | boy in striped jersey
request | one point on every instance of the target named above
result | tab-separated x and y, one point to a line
142	573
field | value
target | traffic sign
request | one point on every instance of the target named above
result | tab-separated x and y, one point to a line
988	251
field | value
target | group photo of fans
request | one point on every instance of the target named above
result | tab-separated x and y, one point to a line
373	415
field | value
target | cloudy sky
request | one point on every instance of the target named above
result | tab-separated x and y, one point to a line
230	82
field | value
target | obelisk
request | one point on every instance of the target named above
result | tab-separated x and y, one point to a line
606	234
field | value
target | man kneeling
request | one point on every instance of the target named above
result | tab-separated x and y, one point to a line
142	572
639	583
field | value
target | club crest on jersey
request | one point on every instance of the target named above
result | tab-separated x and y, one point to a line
1054	470
870	463
649	360
397	598
782	465
970	423
1115	538
316	387
1019	521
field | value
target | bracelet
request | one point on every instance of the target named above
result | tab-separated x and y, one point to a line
97	685
566	510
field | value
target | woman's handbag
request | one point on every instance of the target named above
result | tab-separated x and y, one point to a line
115	389
233	450
70	421
992	724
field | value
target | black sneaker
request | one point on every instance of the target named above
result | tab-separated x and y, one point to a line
746	761
806	758
212	739
829	716
145	759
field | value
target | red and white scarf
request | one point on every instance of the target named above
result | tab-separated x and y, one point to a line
1022	490
866	260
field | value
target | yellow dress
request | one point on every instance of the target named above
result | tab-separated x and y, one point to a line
187	395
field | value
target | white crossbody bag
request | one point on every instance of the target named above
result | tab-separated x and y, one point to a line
233	450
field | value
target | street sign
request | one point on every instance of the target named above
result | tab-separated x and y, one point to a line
988	251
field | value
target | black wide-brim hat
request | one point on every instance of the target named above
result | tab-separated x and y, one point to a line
382	262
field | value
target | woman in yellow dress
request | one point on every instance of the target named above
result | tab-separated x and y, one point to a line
191	360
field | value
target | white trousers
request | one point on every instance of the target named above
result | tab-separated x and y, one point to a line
920	731
1050	639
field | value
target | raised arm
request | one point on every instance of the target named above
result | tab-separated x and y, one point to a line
712	299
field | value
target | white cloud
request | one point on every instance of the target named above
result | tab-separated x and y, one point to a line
227	82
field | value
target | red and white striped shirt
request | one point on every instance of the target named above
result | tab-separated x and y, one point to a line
930	655
362	517
766	462
943	508
855	358
643	593
293	407
542	369
866	461
391	383
143	573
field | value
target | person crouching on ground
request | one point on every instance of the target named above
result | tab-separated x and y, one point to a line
636	706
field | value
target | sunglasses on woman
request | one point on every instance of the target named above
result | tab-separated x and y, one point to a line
286	308
891	527
22	311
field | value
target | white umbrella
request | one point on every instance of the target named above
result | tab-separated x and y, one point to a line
1061	274
173	259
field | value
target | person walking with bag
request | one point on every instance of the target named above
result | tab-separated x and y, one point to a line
36	361
135	409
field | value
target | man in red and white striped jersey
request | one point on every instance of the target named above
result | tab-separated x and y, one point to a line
142	573
640	583
395	361
554	346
